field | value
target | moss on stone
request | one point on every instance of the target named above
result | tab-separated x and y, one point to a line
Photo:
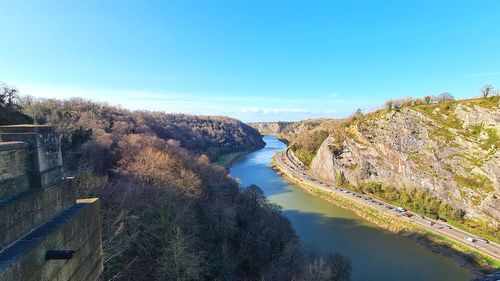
475	182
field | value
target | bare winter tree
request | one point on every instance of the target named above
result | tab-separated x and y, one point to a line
10	111
445	96
7	95
486	90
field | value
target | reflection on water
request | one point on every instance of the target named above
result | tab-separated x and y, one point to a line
375	253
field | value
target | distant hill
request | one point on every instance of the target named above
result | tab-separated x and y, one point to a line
304	136
268	128
78	119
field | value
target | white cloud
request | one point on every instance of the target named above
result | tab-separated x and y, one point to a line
333	95
247	106
114	96
283	110
273	110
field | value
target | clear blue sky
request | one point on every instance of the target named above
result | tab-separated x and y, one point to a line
254	60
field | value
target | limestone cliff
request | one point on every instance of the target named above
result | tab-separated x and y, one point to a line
270	128
293	130
451	150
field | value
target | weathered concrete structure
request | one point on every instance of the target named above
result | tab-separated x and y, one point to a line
40	213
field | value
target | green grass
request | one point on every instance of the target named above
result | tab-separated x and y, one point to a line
488	103
305	156
423	203
445	116
493	139
474	131
475	182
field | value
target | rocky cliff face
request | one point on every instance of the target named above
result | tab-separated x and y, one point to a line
451	150
270	128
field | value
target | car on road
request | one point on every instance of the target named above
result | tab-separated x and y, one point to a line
482	240
432	223
389	207
408	215
470	239
400	210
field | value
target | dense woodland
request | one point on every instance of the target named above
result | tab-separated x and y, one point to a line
168	212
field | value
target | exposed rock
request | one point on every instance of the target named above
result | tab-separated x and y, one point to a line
270	128
451	150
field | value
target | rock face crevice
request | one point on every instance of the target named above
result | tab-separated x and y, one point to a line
451	151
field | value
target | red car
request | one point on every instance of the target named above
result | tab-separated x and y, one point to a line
408	215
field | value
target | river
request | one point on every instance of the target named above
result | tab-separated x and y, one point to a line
376	254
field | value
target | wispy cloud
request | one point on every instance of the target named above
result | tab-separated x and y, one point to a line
247	107
273	110
116	96
283	110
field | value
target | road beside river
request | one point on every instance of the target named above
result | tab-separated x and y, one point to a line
376	254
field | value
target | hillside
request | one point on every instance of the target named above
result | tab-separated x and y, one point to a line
441	159
168	212
270	128
80	120
304	136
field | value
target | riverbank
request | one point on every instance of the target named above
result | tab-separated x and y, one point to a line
473	261
227	159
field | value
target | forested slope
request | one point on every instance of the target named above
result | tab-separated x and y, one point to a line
168	212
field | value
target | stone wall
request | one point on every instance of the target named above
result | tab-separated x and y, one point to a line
13	168
39	212
44	151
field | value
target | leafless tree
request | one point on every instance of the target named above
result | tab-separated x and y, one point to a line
8	95
486	90
444	96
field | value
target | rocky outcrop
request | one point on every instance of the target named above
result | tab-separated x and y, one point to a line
451	150
270	128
